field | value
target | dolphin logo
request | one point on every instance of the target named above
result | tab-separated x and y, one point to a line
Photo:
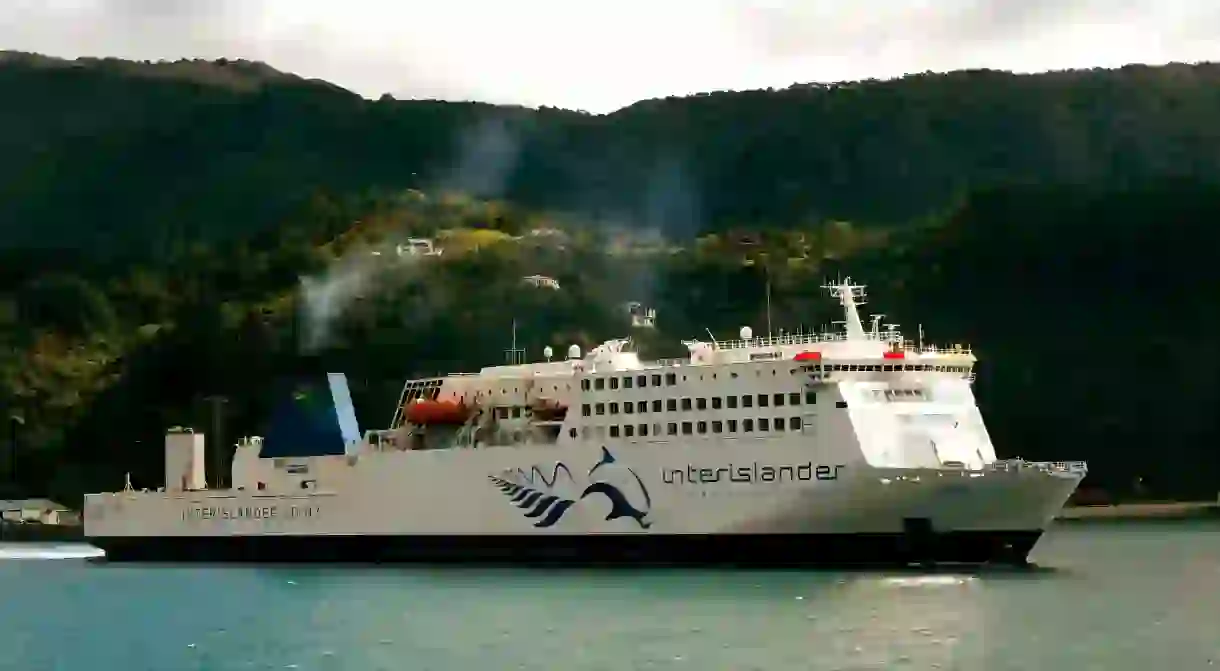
548	508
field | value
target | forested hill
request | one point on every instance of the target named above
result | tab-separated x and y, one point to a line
119	156
177	230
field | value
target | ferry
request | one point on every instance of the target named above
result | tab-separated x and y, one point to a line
850	447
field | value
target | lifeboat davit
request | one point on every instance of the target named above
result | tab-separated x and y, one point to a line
438	412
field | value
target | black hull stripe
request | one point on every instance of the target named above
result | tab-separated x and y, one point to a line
970	547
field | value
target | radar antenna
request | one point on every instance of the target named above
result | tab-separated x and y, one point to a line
850	296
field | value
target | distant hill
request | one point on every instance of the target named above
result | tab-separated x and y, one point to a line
124	157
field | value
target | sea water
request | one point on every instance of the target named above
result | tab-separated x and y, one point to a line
1106	596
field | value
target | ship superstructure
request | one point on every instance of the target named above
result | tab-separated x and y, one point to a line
849	446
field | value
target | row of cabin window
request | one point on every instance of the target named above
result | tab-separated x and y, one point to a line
628	382
671	379
888	368
693	428
699	404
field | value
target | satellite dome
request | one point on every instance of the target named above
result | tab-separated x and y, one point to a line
547	352
747	333
574	352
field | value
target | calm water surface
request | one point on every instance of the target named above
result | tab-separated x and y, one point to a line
1132	597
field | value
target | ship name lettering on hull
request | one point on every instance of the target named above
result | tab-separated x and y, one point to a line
212	513
751	473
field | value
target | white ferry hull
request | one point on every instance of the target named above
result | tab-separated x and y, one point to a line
666	510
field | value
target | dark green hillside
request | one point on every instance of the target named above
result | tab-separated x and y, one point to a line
164	230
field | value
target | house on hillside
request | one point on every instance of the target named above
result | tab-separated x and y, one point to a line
542	282
418	247
641	315
37	511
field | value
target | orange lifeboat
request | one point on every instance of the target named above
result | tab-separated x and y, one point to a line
548	410
438	412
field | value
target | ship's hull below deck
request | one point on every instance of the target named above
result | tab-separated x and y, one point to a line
916	545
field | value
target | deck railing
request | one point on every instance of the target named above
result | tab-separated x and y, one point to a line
1014	465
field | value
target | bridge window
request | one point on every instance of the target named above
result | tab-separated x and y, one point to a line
717	426
601	408
747	425
599	384
687	428
614	408
671	404
779	423
747	401
762	400
764	424
586	410
701	403
732	426
732	401
794	423
672	429
778	399
614	431
671	379
716	403
656	405
701	427
686	404
794	398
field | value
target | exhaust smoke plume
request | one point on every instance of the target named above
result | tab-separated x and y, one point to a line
486	154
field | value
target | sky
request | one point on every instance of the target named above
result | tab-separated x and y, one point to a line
599	55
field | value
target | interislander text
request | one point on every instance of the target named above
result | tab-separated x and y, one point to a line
272	512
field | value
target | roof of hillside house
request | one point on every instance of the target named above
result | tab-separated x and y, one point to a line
27	504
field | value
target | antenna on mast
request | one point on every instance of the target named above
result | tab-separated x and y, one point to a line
921	337
850	297
767	271
514	356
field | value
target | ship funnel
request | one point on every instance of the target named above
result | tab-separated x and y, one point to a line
314	417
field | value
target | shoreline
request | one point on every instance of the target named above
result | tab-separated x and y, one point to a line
41	533
1139	512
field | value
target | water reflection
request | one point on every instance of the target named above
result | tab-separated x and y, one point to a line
48	551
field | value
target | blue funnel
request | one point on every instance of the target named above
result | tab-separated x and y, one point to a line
313	418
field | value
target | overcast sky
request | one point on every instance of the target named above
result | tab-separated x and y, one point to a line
599	55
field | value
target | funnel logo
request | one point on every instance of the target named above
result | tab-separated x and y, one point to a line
547	500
